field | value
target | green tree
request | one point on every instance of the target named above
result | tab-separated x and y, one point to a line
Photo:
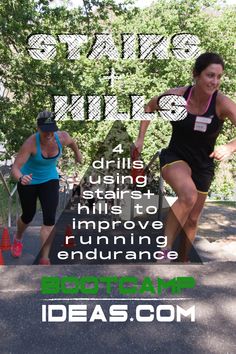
32	83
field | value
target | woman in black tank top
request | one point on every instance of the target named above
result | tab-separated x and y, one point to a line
187	164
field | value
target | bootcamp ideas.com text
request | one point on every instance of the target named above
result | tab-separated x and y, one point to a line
119	309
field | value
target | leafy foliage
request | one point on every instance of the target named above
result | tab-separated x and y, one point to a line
32	83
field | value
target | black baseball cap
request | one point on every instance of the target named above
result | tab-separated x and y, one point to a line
46	121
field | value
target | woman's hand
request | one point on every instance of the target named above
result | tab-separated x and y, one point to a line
139	144
25	179
222	152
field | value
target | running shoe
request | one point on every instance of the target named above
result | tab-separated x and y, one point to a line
44	261
16	248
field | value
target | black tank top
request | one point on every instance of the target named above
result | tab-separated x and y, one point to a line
193	138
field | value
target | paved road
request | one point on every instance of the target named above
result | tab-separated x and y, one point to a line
218	221
214	297
21	329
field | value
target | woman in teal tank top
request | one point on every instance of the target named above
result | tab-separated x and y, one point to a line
42	168
35	170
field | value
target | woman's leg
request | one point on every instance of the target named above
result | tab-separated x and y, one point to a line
49	197
28	200
178	176
190	227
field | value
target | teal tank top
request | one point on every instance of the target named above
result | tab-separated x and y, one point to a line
42	169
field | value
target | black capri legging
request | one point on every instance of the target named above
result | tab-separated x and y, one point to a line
48	194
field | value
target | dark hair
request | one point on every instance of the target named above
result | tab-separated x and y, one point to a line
206	59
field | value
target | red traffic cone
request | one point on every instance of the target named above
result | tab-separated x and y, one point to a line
1	258
6	242
69	242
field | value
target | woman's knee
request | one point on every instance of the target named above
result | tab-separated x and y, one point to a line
26	218
188	198
49	220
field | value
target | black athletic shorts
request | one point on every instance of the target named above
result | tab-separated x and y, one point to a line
202	177
48	194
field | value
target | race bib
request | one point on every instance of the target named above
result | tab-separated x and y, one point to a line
201	123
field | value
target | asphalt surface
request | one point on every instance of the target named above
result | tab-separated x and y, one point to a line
214	298
22	330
